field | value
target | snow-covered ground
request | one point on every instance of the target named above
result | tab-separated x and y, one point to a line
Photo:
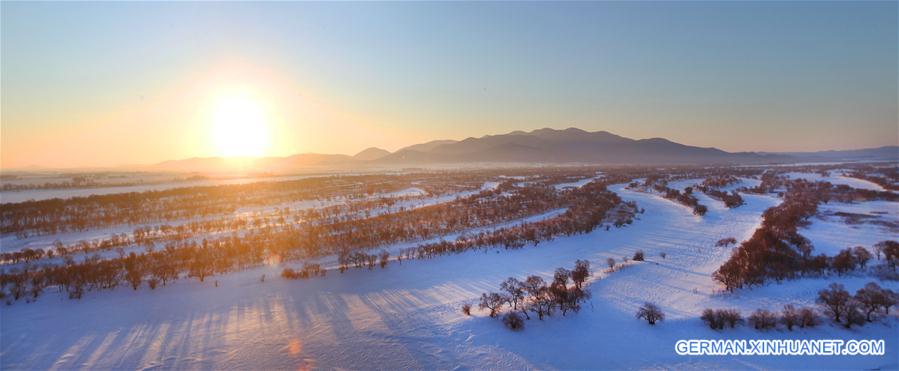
407	316
829	233
579	183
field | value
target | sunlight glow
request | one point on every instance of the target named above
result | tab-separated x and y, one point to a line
240	126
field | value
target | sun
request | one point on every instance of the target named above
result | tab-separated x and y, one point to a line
240	126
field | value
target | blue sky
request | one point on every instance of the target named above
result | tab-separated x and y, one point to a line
98	78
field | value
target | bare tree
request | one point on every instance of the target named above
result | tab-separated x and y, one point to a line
861	256
492	301
807	318
651	313
515	291
384	258
581	273
872	297
835	300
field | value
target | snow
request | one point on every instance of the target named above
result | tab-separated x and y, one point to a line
830	233
408	192
579	183
407	316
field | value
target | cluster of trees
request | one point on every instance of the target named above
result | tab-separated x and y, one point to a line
776	250
848	260
351	208
25	255
685	198
359	259
717	319
485	208
83	213
190	259
565	293
309	270
148	236
731	200
771	181
761	319
864	306
844	308
588	207
711	186
719	181
78	181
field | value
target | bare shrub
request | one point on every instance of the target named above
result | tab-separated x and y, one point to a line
730	317
835	300
724	242
711	319
638	256
789	316
513	321
808	318
763	319
717	319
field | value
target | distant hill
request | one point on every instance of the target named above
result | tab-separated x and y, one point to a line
543	146
571	145
371	153
425	147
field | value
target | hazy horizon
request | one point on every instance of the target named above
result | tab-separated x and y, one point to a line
104	84
133	166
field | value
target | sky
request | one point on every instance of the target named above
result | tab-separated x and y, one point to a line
94	84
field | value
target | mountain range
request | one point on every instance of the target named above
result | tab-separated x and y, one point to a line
542	146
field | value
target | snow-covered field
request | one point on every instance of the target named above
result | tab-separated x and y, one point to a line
407	316
829	233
